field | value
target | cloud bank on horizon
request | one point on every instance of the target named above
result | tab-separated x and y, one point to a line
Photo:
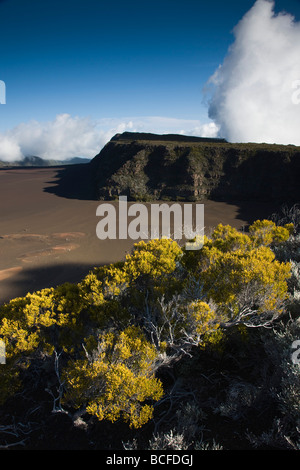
256	89
255	97
66	136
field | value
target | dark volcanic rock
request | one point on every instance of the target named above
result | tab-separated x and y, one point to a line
171	167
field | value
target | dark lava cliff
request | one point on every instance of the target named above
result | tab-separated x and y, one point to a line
174	167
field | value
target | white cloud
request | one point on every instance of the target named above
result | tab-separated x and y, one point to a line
66	136
9	149
253	96
60	139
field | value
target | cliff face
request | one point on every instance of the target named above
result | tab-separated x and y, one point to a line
151	167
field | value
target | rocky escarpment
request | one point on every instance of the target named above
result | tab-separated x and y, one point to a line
175	167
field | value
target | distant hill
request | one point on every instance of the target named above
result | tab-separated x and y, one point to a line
40	162
175	167
163	137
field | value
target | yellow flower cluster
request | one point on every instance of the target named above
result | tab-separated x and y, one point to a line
231	262
118	381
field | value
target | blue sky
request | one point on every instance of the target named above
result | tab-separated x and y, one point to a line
113	60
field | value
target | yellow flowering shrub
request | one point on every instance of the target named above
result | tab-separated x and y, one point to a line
265	232
41	321
203	316
113	279
17	339
234	265
156	258
69	301
226	238
152	267
230	272
117	379
160	299
124	396
22	319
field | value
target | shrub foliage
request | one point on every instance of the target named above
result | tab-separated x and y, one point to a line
115	329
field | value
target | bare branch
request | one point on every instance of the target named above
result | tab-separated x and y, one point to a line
57	407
